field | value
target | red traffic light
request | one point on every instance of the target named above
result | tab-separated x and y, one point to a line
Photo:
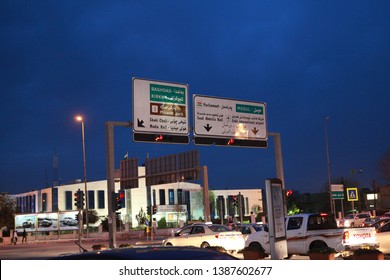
289	193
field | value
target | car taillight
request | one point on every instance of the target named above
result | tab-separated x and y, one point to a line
345	236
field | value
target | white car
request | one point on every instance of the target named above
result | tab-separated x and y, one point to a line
207	236
383	237
354	220
255	235
68	221
175	230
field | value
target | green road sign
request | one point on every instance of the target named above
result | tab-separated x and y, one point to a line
337	195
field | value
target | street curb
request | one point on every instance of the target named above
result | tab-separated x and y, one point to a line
148	242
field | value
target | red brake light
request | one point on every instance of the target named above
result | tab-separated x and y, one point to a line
345	236
231	141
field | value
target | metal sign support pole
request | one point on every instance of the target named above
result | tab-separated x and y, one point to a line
278	156
206	199
111	179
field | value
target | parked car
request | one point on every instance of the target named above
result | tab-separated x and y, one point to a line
68	221
253	233
383	237
206	235
150	253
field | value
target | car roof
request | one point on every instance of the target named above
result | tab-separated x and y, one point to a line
150	253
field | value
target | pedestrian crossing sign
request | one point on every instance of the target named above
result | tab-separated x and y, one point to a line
352	194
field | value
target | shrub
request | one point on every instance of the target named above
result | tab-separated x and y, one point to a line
127	245
364	251
322	250
98	247
162	223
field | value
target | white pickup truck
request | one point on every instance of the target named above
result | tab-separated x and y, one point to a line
306	231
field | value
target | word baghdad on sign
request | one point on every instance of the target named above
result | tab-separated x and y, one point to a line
161	111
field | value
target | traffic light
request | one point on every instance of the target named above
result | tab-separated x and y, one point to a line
289	193
122	199
235	202
118	200
154	209
82	201
79	199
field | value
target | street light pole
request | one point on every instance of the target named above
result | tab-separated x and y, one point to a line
80	119
328	164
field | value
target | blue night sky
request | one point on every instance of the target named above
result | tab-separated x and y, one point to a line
305	59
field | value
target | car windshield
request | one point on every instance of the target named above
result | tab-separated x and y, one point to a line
321	222
259	228
218	228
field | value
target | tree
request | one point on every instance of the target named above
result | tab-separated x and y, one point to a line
141	217
7	211
384	165
104	223
93	216
162	223
179	212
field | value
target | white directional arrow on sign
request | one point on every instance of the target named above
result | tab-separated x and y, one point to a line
227	118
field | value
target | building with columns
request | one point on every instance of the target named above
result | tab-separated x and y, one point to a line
176	202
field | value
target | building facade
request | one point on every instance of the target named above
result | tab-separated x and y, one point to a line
178	202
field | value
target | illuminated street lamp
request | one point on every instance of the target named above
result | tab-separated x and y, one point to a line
80	119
